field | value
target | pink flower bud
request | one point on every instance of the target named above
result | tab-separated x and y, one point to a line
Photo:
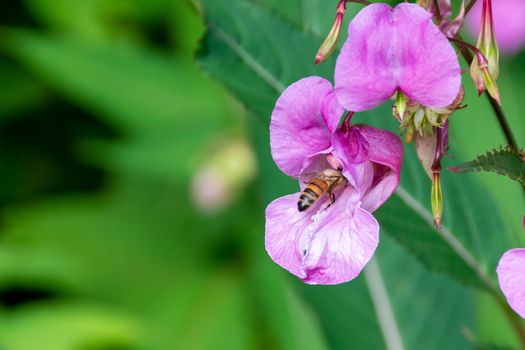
223	174
482	77
328	45
485	70
210	190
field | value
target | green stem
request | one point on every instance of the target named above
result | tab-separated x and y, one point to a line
514	320
470	6
437	11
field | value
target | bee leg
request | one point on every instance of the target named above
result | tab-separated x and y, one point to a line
332	198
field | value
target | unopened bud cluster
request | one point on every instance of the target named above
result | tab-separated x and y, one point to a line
416	118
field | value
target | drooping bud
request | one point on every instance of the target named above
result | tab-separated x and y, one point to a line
437	200
436	193
328	45
484	69
480	73
401	104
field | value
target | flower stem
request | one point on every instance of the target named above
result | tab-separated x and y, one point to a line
512	317
362	2
436	165
346	121
437	11
470	6
503	122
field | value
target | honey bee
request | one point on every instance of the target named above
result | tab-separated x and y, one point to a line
325	182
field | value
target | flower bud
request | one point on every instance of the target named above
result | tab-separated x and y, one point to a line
401	104
222	175
484	69
328	45
480	73
437	200
436	194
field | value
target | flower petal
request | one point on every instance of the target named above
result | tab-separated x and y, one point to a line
298	128
313	165
284	225
386	151
351	148
429	67
511	277
331	111
396	48
340	243
322	245
364	77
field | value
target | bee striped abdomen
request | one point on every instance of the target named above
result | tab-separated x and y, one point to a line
311	193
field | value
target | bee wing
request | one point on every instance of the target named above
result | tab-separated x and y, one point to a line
307	177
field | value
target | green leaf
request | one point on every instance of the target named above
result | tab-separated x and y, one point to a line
257	62
19	92
139	245
505	161
69	325
100	20
130	247
211	316
256	54
141	88
147	96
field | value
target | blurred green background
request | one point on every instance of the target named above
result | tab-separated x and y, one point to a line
132	195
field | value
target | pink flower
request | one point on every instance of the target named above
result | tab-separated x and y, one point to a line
396	49
327	244
511	277
509	23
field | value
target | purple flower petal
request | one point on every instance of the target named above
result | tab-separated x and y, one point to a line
352	149
386	151
298	129
509	23
430	72
342	241
321	246
364	77
315	164
511	277
331	111
389	49
284	225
